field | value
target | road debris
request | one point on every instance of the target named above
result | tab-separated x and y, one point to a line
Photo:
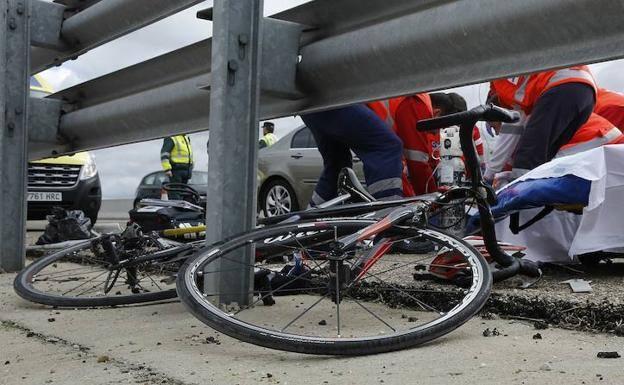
579	285
102	359
608	355
489	316
491	333
537	336
540	325
212	340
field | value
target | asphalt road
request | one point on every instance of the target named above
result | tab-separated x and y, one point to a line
164	344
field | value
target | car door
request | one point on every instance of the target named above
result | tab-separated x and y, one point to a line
152	184
304	163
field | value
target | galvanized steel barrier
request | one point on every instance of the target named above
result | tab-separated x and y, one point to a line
321	54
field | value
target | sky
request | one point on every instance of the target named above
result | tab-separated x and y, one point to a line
121	168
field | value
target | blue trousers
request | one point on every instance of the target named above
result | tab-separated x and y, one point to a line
356	128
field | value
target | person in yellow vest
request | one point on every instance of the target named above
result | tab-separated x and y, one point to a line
268	138
176	156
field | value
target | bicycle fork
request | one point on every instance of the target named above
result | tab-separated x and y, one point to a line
341	272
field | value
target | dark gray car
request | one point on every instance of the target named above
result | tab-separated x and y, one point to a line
151	184
288	172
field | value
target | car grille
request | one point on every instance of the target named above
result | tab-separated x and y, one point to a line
52	175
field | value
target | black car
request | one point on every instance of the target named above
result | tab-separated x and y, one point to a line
151	184
71	182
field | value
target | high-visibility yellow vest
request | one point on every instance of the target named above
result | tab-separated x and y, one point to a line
269	139
182	152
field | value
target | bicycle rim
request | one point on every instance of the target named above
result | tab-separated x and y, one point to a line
81	276
384	309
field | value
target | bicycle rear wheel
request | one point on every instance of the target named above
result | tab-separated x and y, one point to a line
85	276
368	302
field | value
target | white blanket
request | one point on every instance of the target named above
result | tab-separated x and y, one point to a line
561	236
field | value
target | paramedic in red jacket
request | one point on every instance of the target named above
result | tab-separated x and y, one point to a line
610	105
558	104
420	149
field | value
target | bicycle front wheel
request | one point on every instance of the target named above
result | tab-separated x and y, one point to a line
84	276
363	302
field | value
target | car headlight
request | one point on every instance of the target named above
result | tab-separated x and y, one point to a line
89	169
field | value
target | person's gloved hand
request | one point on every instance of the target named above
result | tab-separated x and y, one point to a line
502	179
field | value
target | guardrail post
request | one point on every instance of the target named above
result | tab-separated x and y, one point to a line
235	90
14	89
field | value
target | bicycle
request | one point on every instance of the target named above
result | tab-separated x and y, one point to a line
134	266
345	266
118	269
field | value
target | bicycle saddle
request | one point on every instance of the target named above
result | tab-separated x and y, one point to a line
350	184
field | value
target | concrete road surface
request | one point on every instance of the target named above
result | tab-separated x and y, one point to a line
162	344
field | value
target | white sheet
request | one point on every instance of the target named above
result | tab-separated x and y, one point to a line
560	236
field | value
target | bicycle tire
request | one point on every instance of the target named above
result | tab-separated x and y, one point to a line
223	321
25	288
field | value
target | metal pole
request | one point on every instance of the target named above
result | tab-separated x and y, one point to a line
14	81
235	90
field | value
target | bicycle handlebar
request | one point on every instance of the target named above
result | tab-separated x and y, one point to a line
484	193
488	112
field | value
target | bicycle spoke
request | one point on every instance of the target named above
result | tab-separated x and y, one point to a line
305	311
373	314
307	290
152	279
84	283
423	305
63	272
272	292
313	260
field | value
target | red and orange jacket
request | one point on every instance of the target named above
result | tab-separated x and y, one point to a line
420	149
522	92
610	105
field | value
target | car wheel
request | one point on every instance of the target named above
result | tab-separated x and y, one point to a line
278	198
93	217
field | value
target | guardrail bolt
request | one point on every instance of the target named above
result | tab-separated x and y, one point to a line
243	40
232	68
11	128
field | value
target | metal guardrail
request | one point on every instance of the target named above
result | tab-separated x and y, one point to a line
322	54
93	23
353	51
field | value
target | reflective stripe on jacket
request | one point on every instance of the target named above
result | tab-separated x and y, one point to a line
522	92
596	132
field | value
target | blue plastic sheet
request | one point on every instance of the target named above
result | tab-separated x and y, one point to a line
564	190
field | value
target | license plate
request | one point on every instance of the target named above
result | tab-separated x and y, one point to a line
41	196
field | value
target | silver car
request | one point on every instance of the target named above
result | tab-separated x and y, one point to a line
288	172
